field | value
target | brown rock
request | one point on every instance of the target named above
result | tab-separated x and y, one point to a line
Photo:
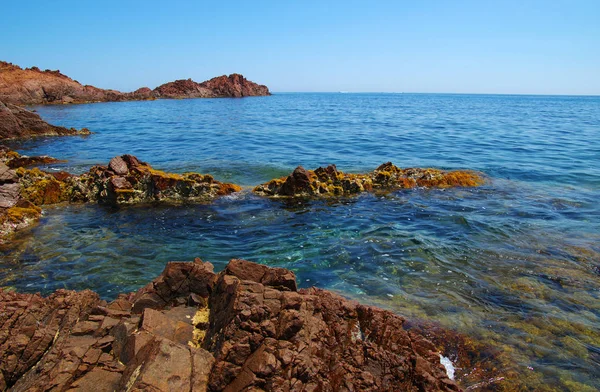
16	122
183	89
24	161
32	86
161	365
118	165
329	182
234	85
98	380
7	174
298	183
9	195
262	335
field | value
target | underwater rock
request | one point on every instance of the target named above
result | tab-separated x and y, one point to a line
16	122
327	182
246	328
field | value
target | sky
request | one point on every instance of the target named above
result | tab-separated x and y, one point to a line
453	46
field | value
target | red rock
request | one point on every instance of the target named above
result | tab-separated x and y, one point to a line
184	88
32	86
262	334
118	165
16	122
298	183
234	85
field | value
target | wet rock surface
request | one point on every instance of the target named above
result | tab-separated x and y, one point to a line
17	122
244	329
125	181
32	86
329	181
16	212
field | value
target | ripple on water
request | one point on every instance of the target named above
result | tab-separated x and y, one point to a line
513	263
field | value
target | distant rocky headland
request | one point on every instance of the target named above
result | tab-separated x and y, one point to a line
32	86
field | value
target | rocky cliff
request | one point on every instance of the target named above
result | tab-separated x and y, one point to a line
32	86
247	328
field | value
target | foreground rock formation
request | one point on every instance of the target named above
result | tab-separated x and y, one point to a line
125	180
16	122
245	329
31	86
329	181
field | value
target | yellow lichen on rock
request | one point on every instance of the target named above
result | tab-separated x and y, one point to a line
327	182
200	323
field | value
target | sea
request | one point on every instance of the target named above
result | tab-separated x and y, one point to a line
514	263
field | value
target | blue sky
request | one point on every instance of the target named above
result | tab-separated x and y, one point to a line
537	47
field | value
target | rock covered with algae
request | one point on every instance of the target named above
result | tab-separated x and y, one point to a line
329	181
126	180
247	328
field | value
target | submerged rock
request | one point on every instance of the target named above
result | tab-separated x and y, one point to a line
329	181
16	122
246	328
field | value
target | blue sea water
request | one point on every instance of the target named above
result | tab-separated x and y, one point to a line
515	263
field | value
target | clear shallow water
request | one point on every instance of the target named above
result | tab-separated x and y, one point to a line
515	263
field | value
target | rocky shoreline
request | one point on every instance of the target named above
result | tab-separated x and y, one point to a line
32	86
247	328
17	122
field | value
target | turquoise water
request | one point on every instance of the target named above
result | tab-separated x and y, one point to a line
515	263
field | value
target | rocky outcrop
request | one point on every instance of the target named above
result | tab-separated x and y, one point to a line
31	86
16	122
328	181
245	329
125	180
184	88
232	86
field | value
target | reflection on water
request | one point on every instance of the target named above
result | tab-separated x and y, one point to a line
514	264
